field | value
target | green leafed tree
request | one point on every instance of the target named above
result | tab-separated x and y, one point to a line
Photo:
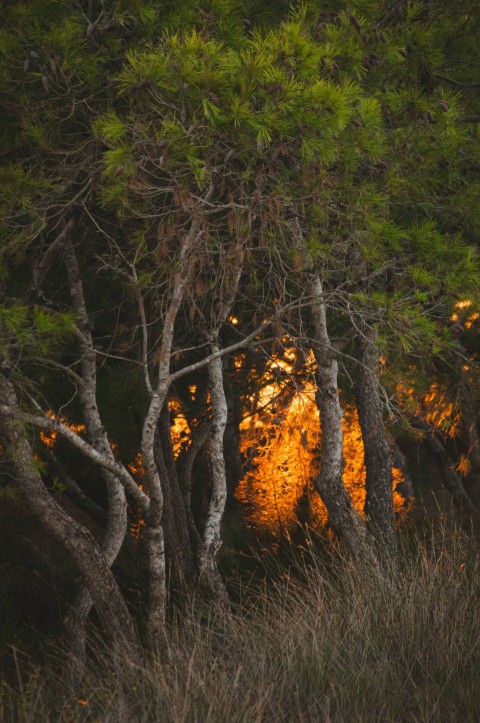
310	171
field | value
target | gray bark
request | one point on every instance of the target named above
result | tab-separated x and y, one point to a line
155	534
76	616
212	540
178	548
78	541
378	460
343	518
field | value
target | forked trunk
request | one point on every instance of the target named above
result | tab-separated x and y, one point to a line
158	395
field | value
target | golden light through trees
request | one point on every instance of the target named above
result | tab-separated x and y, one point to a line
282	448
280	444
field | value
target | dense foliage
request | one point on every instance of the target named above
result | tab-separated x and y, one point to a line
191	190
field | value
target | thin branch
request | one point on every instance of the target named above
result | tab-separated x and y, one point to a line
457	83
143	319
222	352
54	425
43	267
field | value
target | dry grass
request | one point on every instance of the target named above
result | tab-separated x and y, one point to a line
328	644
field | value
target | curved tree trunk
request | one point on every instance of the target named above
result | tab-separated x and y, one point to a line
212	540
343	518
378	461
116	528
78	541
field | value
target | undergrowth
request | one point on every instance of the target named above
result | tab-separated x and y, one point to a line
322	643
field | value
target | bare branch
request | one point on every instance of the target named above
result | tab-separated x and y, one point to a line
43	267
87	450
222	352
457	83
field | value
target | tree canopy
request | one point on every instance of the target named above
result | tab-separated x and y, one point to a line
190	190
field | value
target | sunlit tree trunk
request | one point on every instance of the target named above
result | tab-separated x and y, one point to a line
343	518
77	540
378	460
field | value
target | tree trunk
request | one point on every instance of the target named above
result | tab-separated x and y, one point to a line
178	550
78	541
231	441
185	470
212	541
378	461
343	518
76	617
158	395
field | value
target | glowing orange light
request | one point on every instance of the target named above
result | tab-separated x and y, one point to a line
50	437
282	449
179	428
467	319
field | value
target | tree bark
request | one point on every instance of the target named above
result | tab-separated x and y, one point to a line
78	541
178	549
343	518
155	534
378	461
185	470
212	540
76	616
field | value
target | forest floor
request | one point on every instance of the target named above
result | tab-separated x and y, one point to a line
318	640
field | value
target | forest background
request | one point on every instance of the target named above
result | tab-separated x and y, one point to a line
231	229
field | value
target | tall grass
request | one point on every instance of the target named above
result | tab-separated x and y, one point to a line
326	643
